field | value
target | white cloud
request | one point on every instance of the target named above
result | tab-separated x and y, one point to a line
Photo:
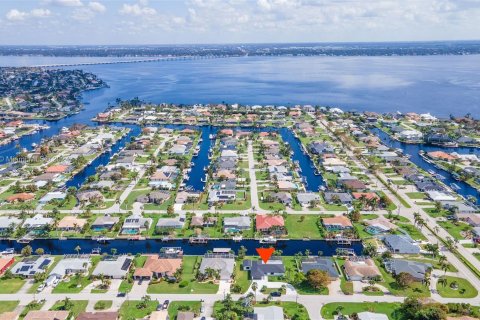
137	10
17	15
88	12
40	13
97	7
66	3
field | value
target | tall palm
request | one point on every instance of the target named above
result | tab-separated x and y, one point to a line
254	288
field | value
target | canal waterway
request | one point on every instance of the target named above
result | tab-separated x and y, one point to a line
413	150
288	247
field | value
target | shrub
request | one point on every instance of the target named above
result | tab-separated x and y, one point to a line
183	284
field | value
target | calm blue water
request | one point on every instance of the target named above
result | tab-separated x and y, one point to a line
437	84
289	247
414	149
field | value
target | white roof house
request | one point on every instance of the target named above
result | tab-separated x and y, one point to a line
371	316
410	134
115	267
52	196
37	222
268	313
71	265
440	196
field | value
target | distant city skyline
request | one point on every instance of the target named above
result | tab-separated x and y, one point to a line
130	22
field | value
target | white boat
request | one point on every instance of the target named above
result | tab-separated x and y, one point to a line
25	240
8	251
267	240
104	239
34	145
237	238
96	250
455	186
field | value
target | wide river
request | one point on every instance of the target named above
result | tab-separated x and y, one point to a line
440	85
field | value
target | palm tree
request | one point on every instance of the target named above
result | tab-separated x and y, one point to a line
254	288
427	280
442	281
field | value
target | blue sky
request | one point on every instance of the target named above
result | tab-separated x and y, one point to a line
235	21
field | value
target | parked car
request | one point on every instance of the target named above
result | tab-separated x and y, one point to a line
275	294
121	294
165	304
41	287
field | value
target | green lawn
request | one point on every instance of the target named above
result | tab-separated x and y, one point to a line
241	277
290	309
291	269
35	285
76	283
411	230
103	304
129	310
416	195
193	285
347	308
416	289
175	306
11	285
464	290
455	228
7	306
303	226
78	306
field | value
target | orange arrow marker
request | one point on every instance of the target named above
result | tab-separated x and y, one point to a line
265	253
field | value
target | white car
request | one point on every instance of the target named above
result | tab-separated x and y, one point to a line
41	287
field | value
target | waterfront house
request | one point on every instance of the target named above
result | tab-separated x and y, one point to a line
472	219
321	263
441	155
459	207
5	263
135	224
268	313
71	223
8	223
260	270
401	244
306	198
165	224
158	267
71	264
38	222
270	224
416	270
286	185
104	223
236	224
379	225
47	315
200	221
359	268
115	267
224	264
337	198
178	150
440	196
100	315
30	266
337	223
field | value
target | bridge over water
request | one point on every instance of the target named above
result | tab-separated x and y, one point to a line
157	59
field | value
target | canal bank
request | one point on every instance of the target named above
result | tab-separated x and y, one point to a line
413	151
